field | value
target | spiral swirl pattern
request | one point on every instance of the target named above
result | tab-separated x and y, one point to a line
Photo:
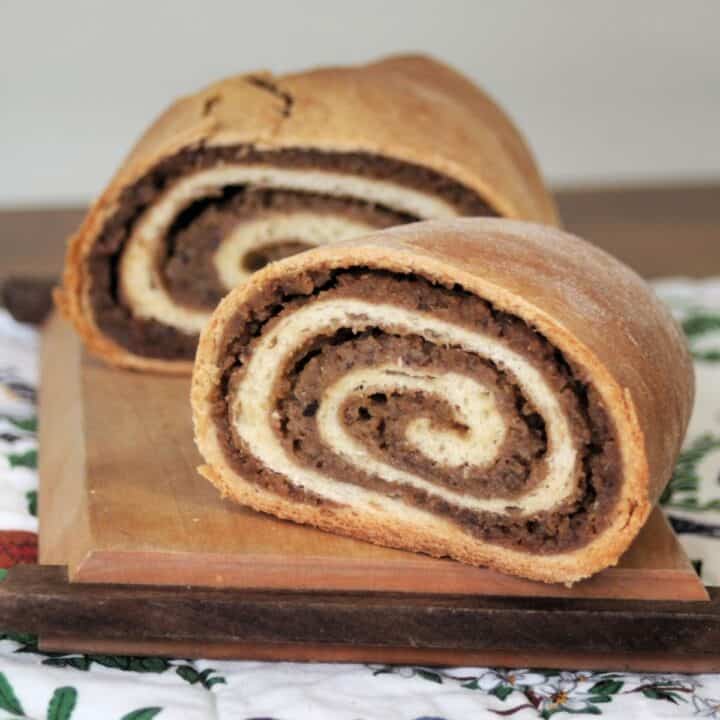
252	402
266	232
383	392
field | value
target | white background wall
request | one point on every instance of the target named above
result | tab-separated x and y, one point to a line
611	91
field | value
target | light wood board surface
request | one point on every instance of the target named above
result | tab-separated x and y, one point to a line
121	502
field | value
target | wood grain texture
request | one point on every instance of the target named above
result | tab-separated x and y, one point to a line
311	652
127	506
392	627
62	458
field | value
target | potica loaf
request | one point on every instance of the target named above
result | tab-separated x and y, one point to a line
257	167
494	391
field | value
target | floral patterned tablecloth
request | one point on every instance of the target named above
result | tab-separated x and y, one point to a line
101	687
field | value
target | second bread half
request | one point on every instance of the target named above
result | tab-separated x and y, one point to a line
257	167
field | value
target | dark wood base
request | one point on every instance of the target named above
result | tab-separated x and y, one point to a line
369	627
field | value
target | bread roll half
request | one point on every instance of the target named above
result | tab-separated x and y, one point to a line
257	167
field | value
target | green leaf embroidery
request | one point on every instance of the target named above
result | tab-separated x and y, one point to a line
429	675
607	687
117	662
31	496
27	459
27	424
62	704
8	699
29	642
3	574
600	698
217	680
81	662
502	691
385	670
587	710
684	486
700	323
190	675
149	664
659	693
208	681
707	355
147	713
157	665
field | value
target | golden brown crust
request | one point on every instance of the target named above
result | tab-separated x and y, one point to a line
439	120
600	314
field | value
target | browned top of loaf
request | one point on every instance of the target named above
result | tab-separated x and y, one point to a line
413	108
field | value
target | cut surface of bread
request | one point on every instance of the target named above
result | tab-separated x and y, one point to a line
493	391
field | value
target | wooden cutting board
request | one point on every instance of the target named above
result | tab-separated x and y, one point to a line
121	502
639	225
141	556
